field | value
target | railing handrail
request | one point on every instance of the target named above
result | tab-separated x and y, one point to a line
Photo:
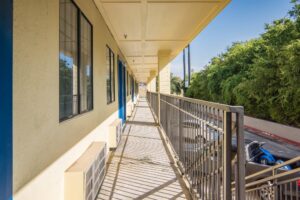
284	174
216	119
228	108
273	168
203	166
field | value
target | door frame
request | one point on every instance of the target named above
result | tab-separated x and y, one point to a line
6	91
121	90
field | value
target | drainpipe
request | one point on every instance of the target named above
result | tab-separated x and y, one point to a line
189	65
158	96
183	53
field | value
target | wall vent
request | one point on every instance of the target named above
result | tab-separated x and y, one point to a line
129	109
84	178
115	133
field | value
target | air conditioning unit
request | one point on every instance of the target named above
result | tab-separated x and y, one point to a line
115	133
129	109
84	178
135	99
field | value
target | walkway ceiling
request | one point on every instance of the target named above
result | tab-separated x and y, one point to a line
142	28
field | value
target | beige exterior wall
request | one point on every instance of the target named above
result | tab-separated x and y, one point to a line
143	90
165	80
42	147
164	71
49	183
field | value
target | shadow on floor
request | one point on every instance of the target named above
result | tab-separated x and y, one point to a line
141	123
140	167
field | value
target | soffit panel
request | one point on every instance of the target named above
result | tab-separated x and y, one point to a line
154	25
175	21
144	67
150	60
131	49
125	19
134	60
142	74
152	47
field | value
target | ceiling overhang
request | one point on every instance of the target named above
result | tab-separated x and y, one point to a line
142	28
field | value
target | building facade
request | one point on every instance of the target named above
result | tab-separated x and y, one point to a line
70	68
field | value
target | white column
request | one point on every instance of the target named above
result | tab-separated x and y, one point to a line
163	75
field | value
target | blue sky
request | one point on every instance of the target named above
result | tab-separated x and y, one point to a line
241	20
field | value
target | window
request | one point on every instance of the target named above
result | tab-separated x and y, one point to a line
110	75
75	61
136	88
132	88
131	84
127	83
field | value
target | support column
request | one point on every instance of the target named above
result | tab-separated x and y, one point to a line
164	76
165	79
6	91
152	81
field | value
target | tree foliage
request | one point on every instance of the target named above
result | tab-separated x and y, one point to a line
261	74
176	85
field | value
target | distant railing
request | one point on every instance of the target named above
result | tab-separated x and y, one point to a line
275	183
200	134
153	100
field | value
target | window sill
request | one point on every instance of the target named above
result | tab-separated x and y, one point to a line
109	103
75	116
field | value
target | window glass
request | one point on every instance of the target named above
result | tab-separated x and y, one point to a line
75	61
86	87
127	83
110	78
68	61
112	61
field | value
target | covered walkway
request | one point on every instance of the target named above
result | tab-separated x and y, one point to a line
141	168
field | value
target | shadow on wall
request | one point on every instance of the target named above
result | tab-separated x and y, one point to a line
49	184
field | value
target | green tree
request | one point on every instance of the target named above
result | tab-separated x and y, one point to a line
176	84
262	74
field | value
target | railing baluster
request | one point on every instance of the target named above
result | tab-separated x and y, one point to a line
200	134
227	156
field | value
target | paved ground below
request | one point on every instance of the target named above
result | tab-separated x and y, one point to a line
278	148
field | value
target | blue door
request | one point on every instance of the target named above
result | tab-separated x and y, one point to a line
122	91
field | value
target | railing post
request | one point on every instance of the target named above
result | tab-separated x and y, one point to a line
158	109
158	96
150	99
274	171
240	172
180	131
209	184
227	156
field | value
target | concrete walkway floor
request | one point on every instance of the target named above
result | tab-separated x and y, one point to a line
140	167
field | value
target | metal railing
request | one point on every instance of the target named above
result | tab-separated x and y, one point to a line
275	183
200	134
153	101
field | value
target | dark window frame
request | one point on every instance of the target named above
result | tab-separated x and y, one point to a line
127	84
80	14
130	84
112	71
